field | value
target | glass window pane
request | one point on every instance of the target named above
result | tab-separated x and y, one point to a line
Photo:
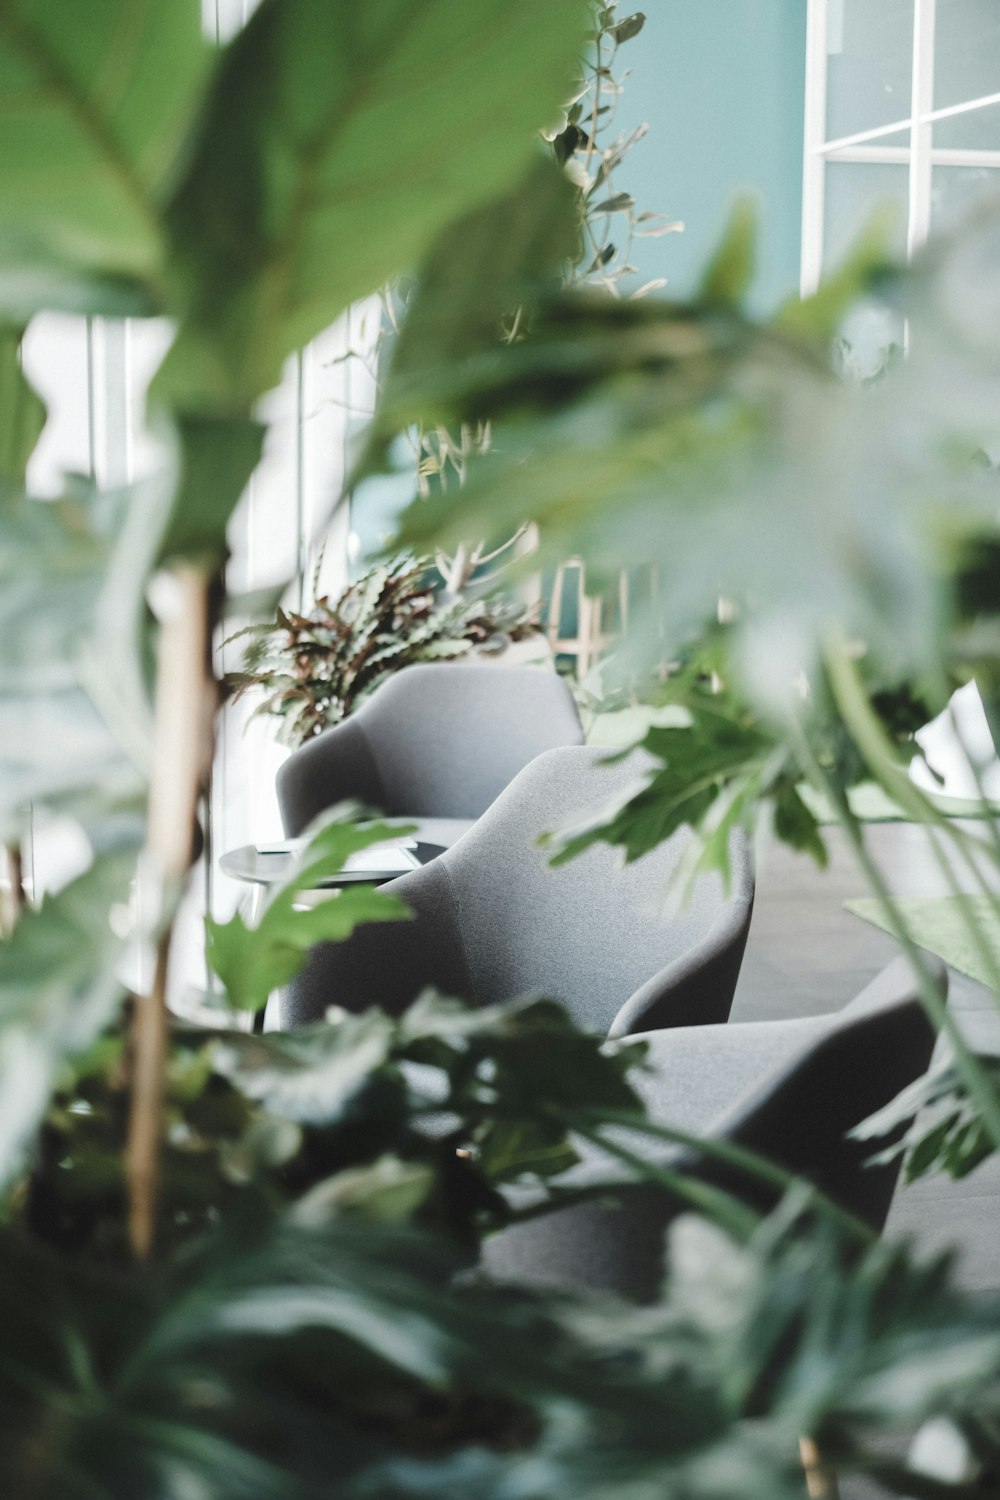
855	192
955	190
967	51
870	65
977	130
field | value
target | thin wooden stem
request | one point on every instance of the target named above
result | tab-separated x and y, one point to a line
821	1482
13	903
182	754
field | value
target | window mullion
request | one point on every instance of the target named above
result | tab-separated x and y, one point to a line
814	165
921	127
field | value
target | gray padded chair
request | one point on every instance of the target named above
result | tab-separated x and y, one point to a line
494	920
789	1090
432	741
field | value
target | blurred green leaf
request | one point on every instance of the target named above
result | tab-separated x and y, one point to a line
271	1357
715	768
730	272
388	1191
734	458
253	961
312	1076
22	411
294	163
217	456
952	1137
99	99
518	1078
523	236
59	989
839	1348
75	717
867	263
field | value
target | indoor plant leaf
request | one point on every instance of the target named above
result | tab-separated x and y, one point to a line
740	463
75	717
59	989
524	235
99	99
253	961
22	411
273	226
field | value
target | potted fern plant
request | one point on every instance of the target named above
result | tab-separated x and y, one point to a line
313	667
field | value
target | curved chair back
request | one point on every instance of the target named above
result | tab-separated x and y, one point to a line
436	740
799	1087
493	919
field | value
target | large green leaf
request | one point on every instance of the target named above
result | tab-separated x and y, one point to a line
732	456
97	102
339	139
522	236
75	719
216	457
59	989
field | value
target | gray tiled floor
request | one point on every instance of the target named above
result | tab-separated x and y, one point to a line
807	955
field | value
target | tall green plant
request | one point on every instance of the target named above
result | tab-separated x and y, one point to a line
851	538
240	1265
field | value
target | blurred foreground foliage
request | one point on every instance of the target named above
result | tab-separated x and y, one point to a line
312	1321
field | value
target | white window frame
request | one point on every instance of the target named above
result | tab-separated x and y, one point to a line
870	146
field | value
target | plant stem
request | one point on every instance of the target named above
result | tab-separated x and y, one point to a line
725	1210
730	1153
859	719
13	904
183	750
821	1482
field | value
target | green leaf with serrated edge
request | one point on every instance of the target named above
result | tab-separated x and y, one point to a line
294	164
22	411
253	961
59	989
99	99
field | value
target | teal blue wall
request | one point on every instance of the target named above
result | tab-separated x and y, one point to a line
721	84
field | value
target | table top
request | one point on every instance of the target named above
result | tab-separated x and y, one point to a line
433	836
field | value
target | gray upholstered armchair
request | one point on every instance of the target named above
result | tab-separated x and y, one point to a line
433	741
493	920
788	1090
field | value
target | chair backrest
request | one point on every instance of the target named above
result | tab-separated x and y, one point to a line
494	919
435	740
816	1078
801	1116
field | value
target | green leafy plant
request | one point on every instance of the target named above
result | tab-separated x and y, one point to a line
585	145
314	667
244	1265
